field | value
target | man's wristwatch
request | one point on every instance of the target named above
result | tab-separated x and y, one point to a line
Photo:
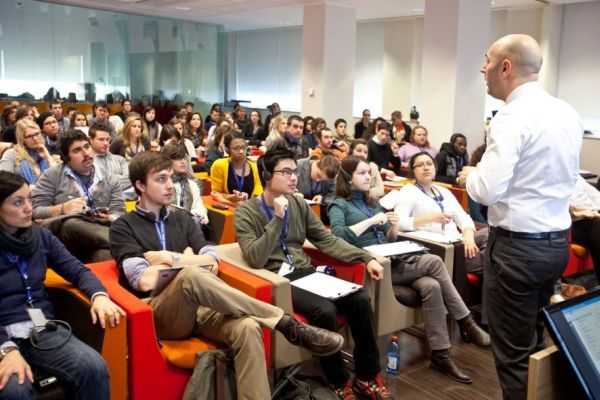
176	258
5	350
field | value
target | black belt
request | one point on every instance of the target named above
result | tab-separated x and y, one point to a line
530	236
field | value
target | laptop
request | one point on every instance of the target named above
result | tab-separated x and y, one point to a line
165	276
574	326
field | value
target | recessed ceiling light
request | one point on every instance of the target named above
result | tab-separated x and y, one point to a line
183	8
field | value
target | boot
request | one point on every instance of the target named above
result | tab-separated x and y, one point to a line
472	333
441	361
319	341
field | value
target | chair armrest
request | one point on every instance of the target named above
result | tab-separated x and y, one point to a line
353	272
444	250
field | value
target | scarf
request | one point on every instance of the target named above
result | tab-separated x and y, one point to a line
184	198
26	169
23	243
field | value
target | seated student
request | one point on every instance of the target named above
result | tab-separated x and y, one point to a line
9	133
107	164
172	133
584	206
292	139
187	193
325	143
57	109
88	203
50	132
426	206
452	158
308	135
400	130
359	149
362	222
153	127
126	109
216	145
271	231
277	129
361	126
29	157
418	143
316	178
196	301
234	179
26	252
380	150
254	130
340	134
78	120
131	141
100	114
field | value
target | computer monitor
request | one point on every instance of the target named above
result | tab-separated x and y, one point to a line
575	327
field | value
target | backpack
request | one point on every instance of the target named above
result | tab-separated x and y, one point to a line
213	377
306	388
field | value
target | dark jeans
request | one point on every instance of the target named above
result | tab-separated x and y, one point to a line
86	240
519	277
587	233
356	308
79	368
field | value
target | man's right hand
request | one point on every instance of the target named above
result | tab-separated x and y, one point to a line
280	204
74	206
14	363
379	219
439	217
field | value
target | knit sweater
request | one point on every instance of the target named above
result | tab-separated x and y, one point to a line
259	238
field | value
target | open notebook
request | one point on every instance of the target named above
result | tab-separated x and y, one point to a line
326	286
395	248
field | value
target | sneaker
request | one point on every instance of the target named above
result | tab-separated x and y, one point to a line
345	392
319	341
372	390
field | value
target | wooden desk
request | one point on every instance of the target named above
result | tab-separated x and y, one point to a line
221	222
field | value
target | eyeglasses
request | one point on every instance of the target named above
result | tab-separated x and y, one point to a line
33	136
286	172
239	148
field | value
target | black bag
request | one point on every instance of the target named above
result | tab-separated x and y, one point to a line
305	388
213	377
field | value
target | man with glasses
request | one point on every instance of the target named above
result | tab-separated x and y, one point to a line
292	139
271	230
50	129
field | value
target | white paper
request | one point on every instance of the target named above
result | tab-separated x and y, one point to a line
394	248
435	236
285	269
310	202
325	285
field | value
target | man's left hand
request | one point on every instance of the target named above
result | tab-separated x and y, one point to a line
463	174
375	270
103	308
162	257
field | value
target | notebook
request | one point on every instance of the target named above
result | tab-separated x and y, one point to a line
395	248
326	286
165	276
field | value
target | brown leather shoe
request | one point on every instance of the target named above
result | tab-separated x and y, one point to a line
441	361
319	341
472	333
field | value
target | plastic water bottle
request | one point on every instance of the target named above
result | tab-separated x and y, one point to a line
326	269
393	356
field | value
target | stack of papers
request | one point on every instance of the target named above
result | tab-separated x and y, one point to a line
395	248
434	236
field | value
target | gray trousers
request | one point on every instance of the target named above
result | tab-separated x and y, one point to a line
198	303
519	277
427	274
86	240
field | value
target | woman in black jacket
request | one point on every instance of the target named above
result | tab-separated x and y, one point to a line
26	250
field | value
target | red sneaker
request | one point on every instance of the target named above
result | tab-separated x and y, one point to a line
345	392
372	390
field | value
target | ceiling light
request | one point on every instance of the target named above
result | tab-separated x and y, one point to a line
183	8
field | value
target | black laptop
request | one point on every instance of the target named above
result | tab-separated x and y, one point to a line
575	327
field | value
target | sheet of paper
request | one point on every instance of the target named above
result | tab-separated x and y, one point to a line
434	236
325	285
395	248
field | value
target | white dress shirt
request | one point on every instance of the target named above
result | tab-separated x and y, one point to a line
529	169
586	196
410	202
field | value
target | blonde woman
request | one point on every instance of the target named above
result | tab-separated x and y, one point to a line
29	157
132	140
278	129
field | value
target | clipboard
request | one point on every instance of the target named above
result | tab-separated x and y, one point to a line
326	286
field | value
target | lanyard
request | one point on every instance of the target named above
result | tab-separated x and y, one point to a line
239	180
23	268
438	198
362	207
87	193
284	232
160	231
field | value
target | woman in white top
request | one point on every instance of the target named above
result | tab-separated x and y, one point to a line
429	207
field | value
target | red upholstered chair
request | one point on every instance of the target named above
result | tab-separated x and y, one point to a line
161	369
580	261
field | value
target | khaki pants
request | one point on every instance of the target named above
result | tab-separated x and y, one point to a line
199	303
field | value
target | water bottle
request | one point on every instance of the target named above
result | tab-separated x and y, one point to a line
326	269
393	356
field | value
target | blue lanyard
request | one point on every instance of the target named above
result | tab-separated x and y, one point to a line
23	268
160	231
362	207
239	180
284	232
86	191
438	198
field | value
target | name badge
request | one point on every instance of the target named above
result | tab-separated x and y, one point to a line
285	269
37	317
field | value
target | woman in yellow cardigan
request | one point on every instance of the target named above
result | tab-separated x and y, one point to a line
234	179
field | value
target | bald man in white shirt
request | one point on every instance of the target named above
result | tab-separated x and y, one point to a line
526	177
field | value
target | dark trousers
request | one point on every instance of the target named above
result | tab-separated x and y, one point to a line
519	277
356	308
587	233
79	368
